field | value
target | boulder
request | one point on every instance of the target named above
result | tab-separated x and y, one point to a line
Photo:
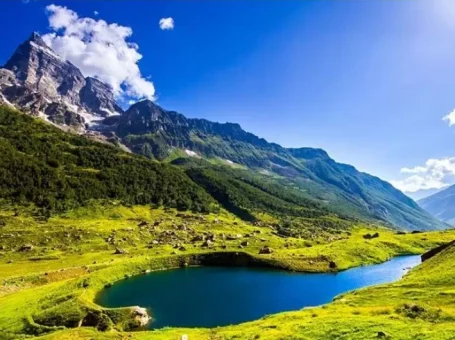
266	250
120	251
197	238
26	247
140	315
207	243
244	244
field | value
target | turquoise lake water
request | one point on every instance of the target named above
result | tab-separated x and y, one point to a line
218	296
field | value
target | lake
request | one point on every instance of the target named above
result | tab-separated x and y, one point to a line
218	296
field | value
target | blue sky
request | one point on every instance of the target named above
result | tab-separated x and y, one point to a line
368	81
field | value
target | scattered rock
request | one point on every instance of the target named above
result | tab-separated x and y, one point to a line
26	247
120	251
266	250
245	244
207	243
381	334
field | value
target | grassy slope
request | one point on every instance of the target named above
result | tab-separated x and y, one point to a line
57	281
157	133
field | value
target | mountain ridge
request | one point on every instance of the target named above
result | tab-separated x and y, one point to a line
37	80
441	204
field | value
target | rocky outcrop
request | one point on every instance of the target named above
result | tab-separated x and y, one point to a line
7	77
60	114
140	315
38	81
97	97
433	252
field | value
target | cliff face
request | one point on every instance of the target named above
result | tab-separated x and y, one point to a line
38	80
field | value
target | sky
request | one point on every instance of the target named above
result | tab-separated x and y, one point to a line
371	82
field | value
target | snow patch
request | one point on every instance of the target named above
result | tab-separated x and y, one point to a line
191	153
109	112
89	118
47	51
229	161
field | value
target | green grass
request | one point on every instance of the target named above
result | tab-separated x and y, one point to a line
47	291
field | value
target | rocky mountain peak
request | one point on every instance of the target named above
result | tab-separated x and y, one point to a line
38	80
36	38
41	69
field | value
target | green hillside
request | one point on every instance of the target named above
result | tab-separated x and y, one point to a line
58	171
159	134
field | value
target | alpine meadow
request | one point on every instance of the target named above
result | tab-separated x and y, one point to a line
121	217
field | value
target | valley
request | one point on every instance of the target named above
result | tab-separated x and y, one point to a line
94	193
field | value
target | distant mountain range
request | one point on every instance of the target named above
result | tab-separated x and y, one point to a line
244	173
441	205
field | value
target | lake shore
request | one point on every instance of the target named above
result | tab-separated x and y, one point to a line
44	294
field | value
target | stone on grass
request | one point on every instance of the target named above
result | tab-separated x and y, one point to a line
26	247
119	251
266	250
207	243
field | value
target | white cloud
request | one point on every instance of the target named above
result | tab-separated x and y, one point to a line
167	23
96	12
435	174
450	118
99	50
